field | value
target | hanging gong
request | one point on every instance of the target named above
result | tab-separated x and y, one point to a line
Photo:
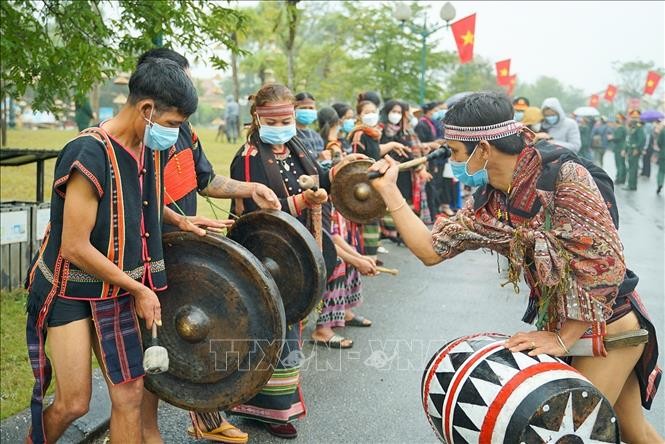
329	253
291	255
353	196
222	324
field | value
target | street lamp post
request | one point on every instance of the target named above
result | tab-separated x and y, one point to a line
402	12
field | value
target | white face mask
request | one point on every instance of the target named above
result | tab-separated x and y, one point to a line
395	118
370	119
536	127
414	121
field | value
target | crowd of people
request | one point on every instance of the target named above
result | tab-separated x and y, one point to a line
634	140
78	273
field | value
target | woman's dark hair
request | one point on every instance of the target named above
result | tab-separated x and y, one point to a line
387	107
482	109
269	93
327	118
164	53
360	106
371	96
341	109
304	96
165	82
429	106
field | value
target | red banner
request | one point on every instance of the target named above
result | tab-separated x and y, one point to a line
503	72
610	93
512	81
464	32
652	82
594	100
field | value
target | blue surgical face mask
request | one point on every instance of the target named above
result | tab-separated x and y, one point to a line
276	135
439	115
551	120
519	115
348	125
305	116
461	172
158	137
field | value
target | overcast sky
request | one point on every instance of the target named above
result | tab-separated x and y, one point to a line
575	42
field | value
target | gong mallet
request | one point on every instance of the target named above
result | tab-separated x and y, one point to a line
392	271
309	183
155	357
440	153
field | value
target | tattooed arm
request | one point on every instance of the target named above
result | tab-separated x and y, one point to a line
227	188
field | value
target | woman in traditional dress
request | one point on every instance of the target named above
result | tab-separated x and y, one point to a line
275	156
365	138
555	221
344	287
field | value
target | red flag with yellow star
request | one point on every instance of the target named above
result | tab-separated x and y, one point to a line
652	82
464	32
610	93
594	100
503	72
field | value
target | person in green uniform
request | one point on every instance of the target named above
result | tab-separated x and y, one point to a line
634	147
619	143
660	142
585	125
83	114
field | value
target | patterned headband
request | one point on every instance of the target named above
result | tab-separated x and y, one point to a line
478	133
281	110
305	101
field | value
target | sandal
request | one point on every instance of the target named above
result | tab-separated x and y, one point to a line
358	321
335	341
217	434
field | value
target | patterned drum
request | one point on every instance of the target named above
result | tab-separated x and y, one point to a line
476	391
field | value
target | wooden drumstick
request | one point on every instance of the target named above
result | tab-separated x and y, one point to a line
393	271
310	183
443	152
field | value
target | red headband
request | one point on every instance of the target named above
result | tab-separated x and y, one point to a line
281	110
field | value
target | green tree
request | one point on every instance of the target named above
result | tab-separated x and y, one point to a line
477	75
60	48
388	56
544	87
632	76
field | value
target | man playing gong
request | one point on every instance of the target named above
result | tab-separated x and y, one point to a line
541	208
101	260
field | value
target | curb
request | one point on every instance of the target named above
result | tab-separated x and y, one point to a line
14	429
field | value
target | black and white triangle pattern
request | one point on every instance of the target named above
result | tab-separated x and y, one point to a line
478	390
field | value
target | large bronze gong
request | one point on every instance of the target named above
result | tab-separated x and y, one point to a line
290	254
223	324
353	196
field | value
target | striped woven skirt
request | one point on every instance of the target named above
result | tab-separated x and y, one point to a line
280	401
343	291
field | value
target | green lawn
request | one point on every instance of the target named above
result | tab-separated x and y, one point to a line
18	183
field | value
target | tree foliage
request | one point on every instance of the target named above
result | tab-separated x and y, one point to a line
544	87
60	48
341	49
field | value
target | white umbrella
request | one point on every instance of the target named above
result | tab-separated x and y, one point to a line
586	111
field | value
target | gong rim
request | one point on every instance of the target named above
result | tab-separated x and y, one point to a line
259	232
215	362
351	181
